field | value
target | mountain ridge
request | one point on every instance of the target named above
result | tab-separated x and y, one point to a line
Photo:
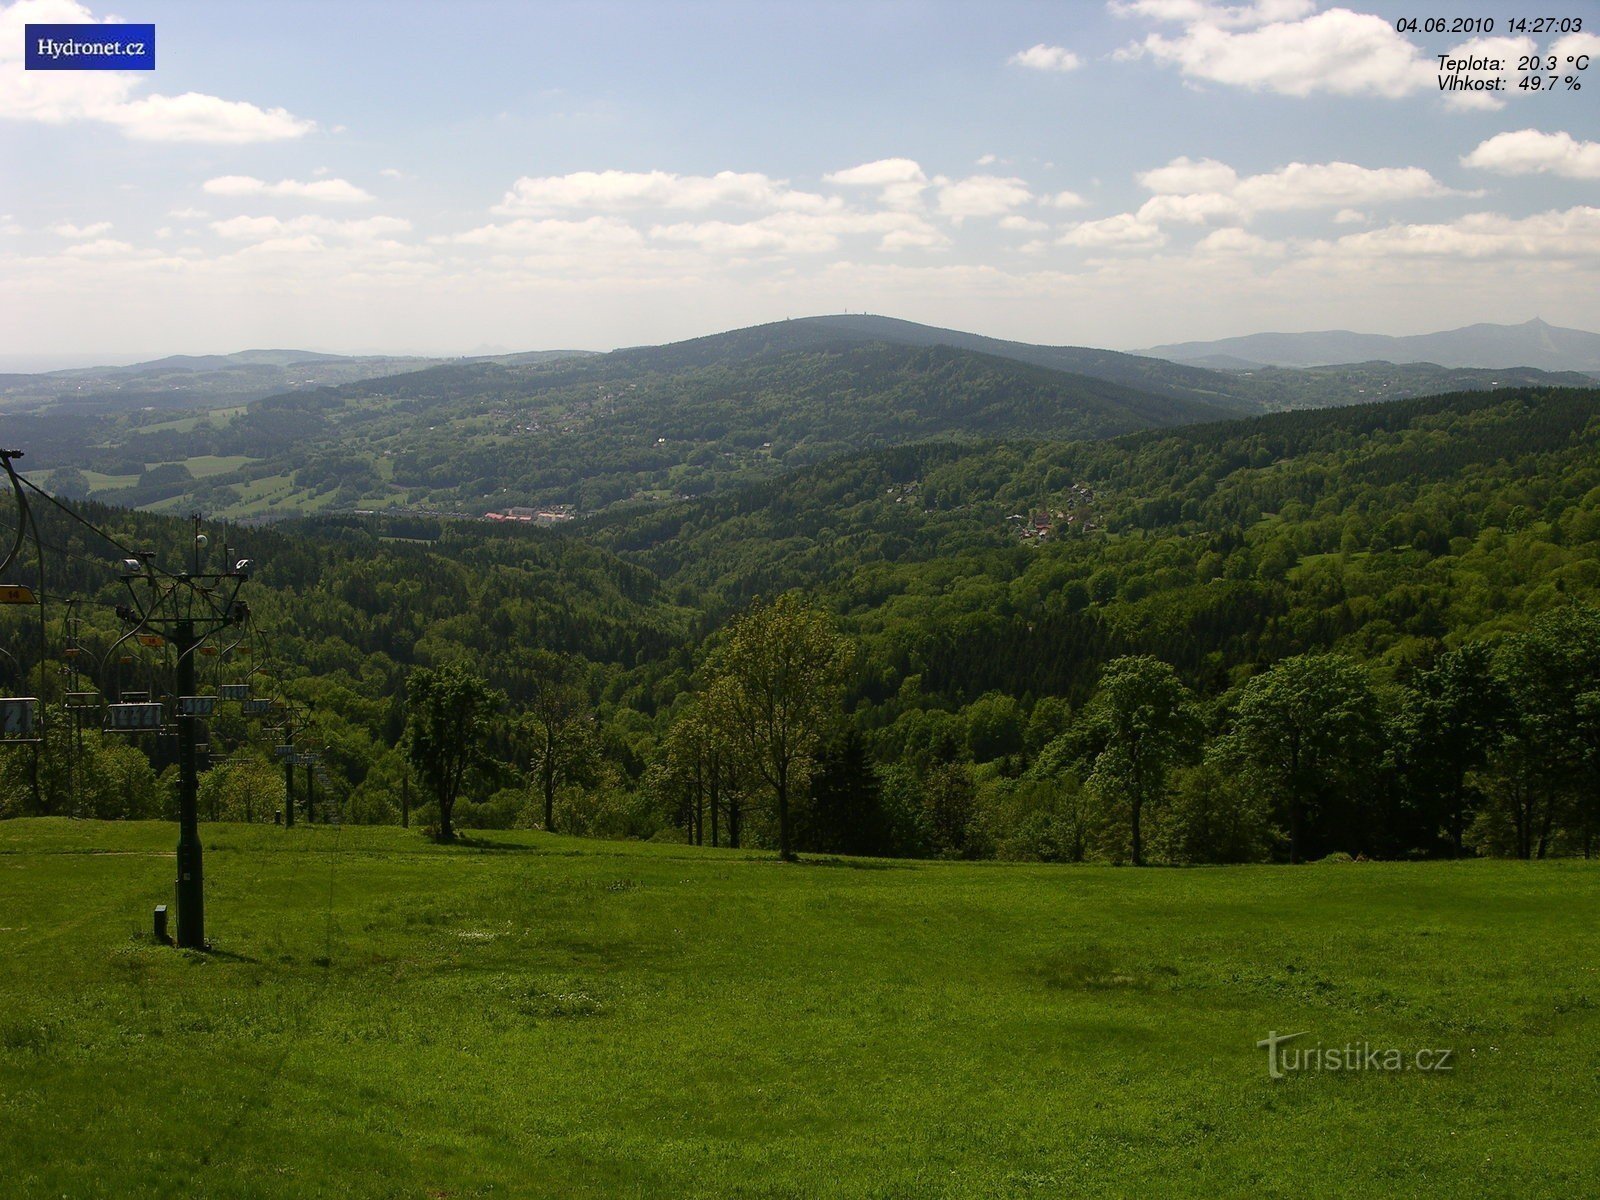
1534	343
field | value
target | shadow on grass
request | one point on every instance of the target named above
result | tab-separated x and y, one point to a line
855	864
467	842
220	955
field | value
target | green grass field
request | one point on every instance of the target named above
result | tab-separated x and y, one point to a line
528	1015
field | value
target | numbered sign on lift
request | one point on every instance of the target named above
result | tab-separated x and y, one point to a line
234	691
133	718
197	706
258	707
17	718
16	593
283	751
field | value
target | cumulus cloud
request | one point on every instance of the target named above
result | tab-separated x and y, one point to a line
1046	58
1557	235
1201	208
99	248
264	228
1532	152
982	196
802	233
1016	224
900	181
1122	232
1335	184
68	230
1196	192
1184	175
611	191
335	191
1068	200
60	97
1337	51
1239	244
1574	44
547	234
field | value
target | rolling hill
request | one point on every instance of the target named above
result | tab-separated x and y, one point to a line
585	432
635	425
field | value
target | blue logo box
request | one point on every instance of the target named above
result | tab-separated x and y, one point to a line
90	48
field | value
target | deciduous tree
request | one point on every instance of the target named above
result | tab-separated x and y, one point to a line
776	684
448	714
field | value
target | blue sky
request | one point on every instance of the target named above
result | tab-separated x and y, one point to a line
449	178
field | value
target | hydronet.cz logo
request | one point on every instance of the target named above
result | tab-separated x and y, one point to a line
90	47
1284	1059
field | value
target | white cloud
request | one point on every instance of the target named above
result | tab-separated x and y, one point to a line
1221	195
879	173
1349	216
1201	208
1237	243
900	181
1338	51
68	230
926	238
267	228
392	173
60	97
1574	44
982	196
1046	58
1184	175
193	117
1335	184
1122	232
336	191
100	248
802	233
1017	224
1555	236
1532	152
610	191
188	213
1068	200
550	234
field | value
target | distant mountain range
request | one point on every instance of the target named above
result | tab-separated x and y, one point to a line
214	380
645	425
1533	344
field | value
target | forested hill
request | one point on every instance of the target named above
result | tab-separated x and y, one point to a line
650	425
1153	376
590	432
1227	508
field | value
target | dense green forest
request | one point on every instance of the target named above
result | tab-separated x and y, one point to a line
1403	594
640	427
